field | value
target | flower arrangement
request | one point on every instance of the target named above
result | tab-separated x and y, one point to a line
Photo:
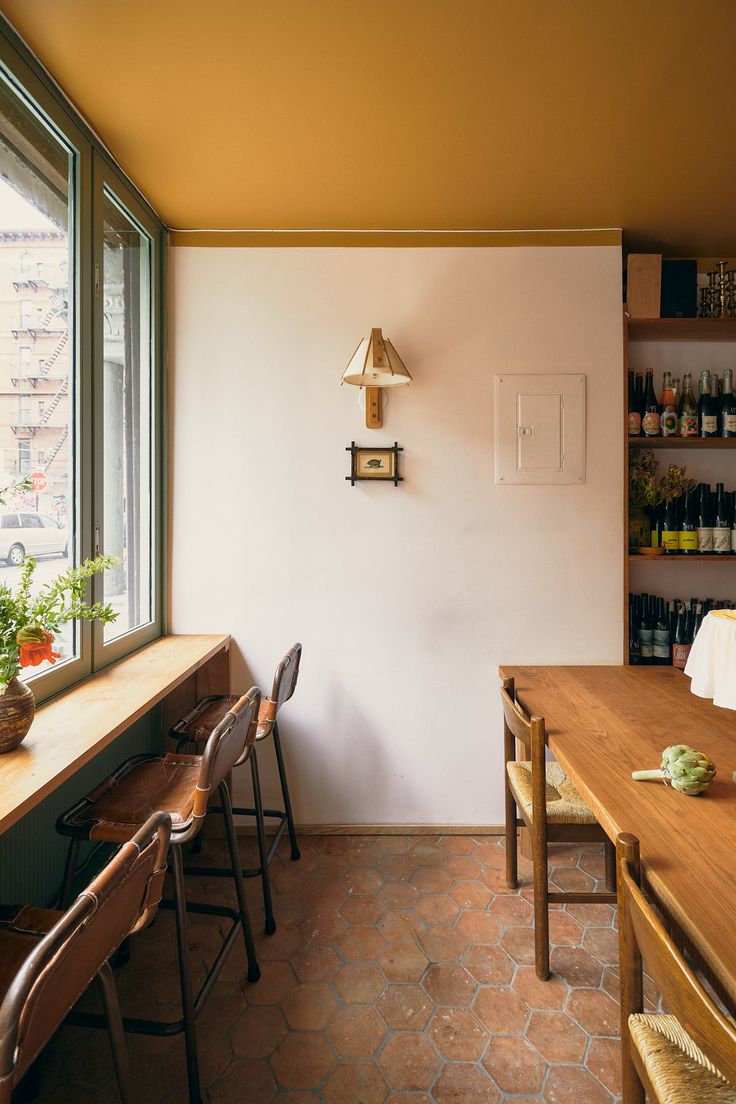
646	488
29	622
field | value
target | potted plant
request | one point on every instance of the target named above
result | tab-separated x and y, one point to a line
28	624
647	490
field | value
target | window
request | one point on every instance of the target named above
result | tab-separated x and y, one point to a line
89	253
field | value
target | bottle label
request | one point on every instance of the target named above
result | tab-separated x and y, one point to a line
669	422
654	540
709	423
729	423
688	425
645	643
661	646
721	540
733	540
635	423
650	423
705	540
687	540
680	652
670	540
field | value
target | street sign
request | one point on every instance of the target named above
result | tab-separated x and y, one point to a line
39	481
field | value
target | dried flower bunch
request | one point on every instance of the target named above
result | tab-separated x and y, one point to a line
646	488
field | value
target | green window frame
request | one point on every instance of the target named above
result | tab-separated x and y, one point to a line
96	181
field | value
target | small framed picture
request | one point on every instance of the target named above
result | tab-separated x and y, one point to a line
374	463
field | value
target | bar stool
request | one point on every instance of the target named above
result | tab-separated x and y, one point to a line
196	727
48	958
182	785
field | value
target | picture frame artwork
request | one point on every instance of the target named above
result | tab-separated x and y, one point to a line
380	464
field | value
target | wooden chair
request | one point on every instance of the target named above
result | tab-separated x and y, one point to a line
48	958
689	1055
196	727
181	785
552	810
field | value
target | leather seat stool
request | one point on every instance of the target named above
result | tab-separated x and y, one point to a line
181	785
195	729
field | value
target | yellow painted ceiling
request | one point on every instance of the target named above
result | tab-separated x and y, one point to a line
412	113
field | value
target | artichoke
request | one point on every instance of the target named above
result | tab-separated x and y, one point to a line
687	770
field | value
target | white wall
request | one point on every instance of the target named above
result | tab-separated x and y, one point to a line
405	599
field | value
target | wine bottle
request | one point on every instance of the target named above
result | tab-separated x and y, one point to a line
705	520
646	631
656	527
634	408
728	408
681	644
661	636
707	407
634	655
687	537
670	528
733	531
687	411
650	421
668	417
721	524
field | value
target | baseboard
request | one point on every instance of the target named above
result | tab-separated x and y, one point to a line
388	830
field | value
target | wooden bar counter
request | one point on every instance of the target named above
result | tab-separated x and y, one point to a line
605	722
70	730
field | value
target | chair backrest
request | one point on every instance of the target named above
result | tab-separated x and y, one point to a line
531	732
643	937
229	744
285	679
61	964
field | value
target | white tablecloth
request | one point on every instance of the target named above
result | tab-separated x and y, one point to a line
712	661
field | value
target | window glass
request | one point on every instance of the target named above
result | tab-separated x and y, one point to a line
127	455
37	362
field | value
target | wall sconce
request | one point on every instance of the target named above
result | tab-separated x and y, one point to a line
375	364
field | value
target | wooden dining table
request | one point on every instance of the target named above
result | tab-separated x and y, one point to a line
605	722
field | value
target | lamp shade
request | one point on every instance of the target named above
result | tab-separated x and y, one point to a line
375	363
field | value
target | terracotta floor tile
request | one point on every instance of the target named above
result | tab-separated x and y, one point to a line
278	947
604	1062
398	895
471	895
450	985
357	1031
463	869
491	853
277	978
431	879
596	915
576	966
315	962
355	1083
572	1085
359	982
519	944
399	924
458	1035
564	929
602	944
437	908
395	868
394	845
480	927
405	1007
363	880
302	1060
324	892
548	994
458	845
403	961
443	944
362	908
489	965
360	943
501	1010
322	925
364	854
309	1006
464	1084
512	911
557	1037
257	1032
409	1061
514	1065
595	1011
427	854
572	880
251	1072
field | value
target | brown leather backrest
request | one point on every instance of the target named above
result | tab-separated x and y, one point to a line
227	745
683	995
62	963
287	673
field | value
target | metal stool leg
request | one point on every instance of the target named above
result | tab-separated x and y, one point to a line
295	854
253	969
116	1033
187	1000
67	885
270	926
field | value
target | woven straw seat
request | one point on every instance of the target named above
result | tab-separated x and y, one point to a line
564	803
679	1071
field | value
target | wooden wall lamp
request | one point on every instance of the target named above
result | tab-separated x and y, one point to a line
375	364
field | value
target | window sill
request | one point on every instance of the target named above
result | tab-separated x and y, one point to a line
70	730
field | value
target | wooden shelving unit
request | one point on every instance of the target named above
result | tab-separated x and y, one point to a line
669	329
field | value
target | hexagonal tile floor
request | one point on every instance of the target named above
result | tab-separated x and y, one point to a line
401	973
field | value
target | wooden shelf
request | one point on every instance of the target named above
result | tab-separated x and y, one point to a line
725	558
681	329
683	442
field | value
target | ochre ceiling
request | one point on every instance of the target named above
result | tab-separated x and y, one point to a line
412	113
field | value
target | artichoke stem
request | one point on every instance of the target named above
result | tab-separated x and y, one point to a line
647	775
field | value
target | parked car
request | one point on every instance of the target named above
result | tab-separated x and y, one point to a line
29	534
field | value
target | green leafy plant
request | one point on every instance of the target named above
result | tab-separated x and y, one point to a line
646	488
29	621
